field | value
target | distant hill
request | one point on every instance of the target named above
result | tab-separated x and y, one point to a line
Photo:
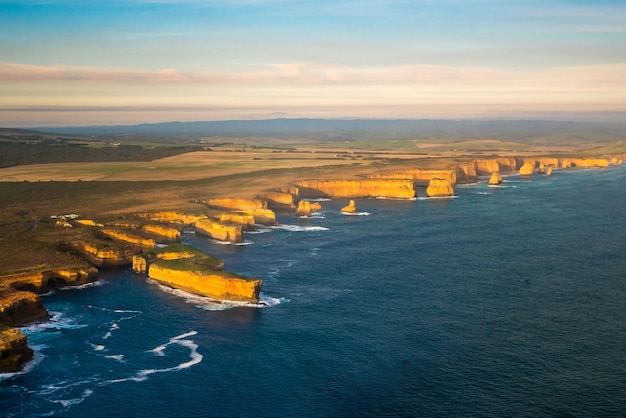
342	128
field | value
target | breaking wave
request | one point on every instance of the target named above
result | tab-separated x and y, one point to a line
356	214
298	228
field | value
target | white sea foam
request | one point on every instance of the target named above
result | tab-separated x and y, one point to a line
320	199
396	198
83	286
298	228
57	321
245	243
118	357
484	193
259	230
356	214
161	245
271	301
69	402
97	347
28	367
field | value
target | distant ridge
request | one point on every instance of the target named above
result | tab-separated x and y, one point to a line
307	127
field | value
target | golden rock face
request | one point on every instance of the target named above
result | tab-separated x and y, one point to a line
244	219
237	203
495	179
14	351
279	200
351	208
214	284
162	232
144	243
439	188
399	189
304	209
19	308
420	177
220	231
527	169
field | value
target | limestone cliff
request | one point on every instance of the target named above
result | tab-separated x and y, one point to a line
236	204
101	253
420	177
14	351
590	162
351	208
220	231
279	201
400	189
246	220
316	207
125	236
304	209
186	268
263	216
215	284
439	188
172	217
495	179
527	169
162	233
19	308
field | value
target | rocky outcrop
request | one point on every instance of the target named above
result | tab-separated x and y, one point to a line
590	162
100	253
527	169
246	220
220	231
19	308
439	188
162	233
304	209
351	208
124	236
86	222
171	217
616	161
263	216
420	177
236	204
14	350
186	268
399	189
495	179
279	201
549	171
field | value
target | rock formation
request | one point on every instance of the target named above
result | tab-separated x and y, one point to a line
188	269
527	169
279	201
399	189
220	231
162	233
439	188
101	253
496	179
351	208
237	204
246	220
420	177
316	207
549	171
304	209
590	162
14	351
125	236
19	308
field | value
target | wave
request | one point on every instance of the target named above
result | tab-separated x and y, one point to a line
259	230
118	357
28	367
66	403
356	214
56	321
298	228
484	193
161	245
397	198
319	199
96	283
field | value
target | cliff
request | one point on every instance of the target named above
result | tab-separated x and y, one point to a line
439	188
304	209
19	308
220	231
14	351
236	204
186	268
495	179
351	208
399	189
125	236
420	177
527	169
279	201
244	219
263	216
171	217
162	233
101	253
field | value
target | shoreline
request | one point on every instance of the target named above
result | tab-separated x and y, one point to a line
19	291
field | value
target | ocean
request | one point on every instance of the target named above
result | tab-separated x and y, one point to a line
502	301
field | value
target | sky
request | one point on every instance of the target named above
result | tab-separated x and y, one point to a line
88	62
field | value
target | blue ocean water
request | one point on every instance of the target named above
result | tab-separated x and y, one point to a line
502	301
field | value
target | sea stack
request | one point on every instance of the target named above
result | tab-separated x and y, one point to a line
304	209
549	171
351	208
439	188
496	179
526	170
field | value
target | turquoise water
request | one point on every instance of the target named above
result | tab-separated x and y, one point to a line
503	301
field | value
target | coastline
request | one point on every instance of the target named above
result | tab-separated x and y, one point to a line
118	251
